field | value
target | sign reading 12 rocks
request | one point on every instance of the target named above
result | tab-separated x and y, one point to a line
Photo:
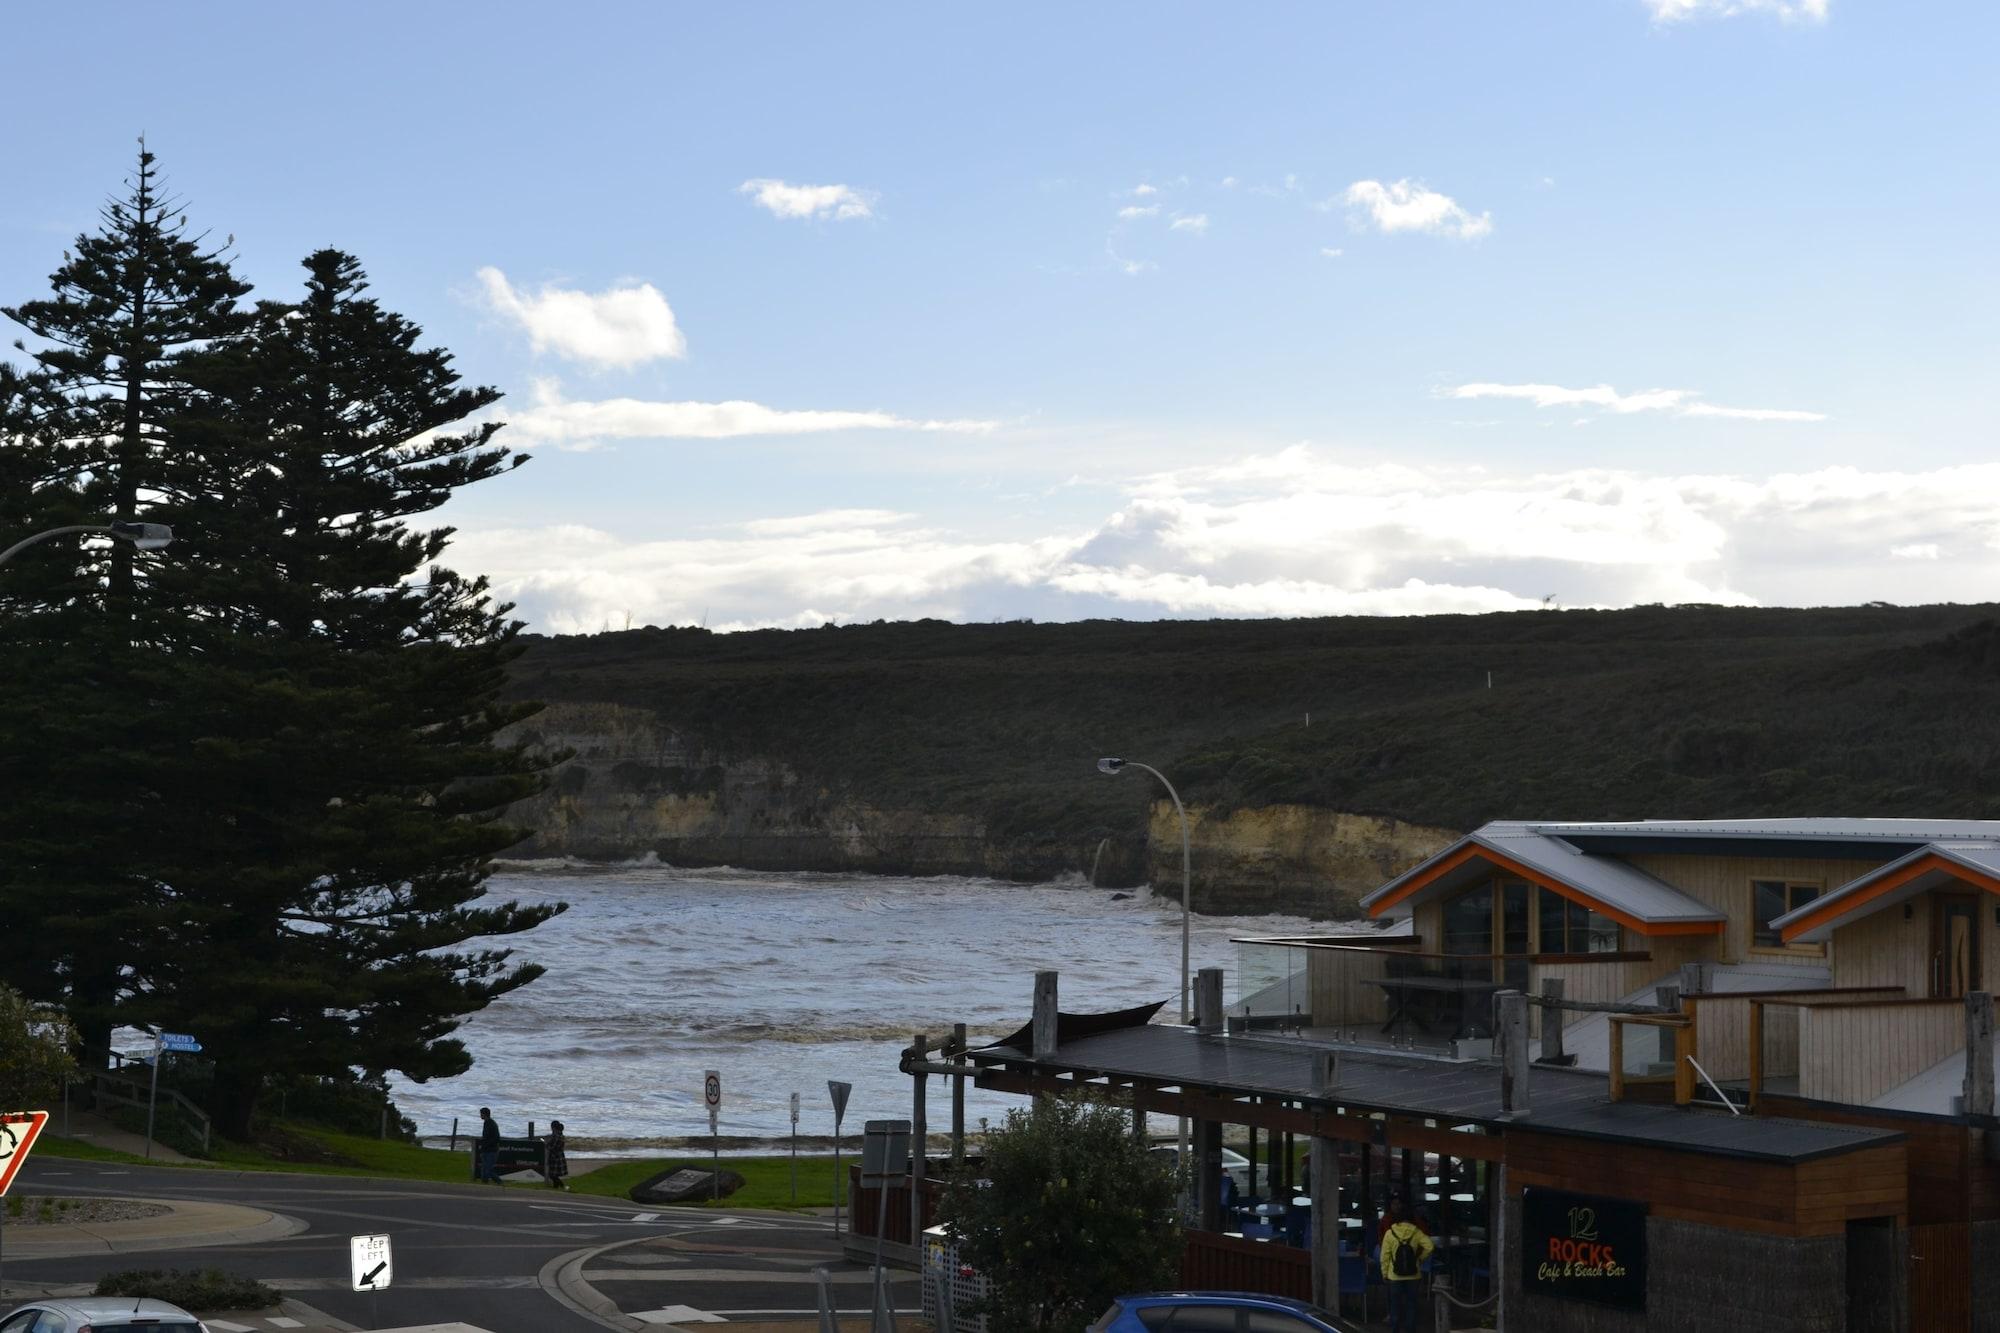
1576	1247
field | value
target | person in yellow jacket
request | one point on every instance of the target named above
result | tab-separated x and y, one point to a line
1404	1249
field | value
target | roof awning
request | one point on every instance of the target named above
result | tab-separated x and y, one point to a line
1927	868
1629	896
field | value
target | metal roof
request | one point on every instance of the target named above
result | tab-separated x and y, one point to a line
1809	829
1614	883
1982	858
1561	1101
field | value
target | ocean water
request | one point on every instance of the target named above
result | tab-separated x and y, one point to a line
780	982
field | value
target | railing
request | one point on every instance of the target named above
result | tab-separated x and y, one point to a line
1722	1024
1847	1049
1653	1052
1390	991
114	1087
1214	1262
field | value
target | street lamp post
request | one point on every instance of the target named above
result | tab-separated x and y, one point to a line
1110	765
145	536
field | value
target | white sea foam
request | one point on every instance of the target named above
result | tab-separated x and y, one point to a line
781	982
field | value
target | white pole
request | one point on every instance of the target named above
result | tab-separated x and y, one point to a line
1187	879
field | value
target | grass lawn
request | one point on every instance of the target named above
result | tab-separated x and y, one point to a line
768	1180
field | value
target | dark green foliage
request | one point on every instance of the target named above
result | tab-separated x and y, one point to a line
197	1290
254	783
1652	711
1069	1213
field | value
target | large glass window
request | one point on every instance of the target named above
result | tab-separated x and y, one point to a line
1468	921
1570	927
1771	899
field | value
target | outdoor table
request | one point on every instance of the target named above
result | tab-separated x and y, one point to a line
1423	1000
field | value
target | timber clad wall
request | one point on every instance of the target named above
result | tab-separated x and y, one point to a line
1338	989
1854	1053
1723	882
1950	1179
1986	1277
1886	950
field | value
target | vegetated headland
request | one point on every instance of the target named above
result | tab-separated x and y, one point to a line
1317	757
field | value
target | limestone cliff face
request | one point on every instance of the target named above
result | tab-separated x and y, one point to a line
1286	858
635	786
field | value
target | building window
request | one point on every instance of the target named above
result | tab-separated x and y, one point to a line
1771	899
1568	927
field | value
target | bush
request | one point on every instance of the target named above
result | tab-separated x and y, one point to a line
1071	1213
197	1290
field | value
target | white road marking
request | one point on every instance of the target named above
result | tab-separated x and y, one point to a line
677	1314
226	1326
280	1321
644	1217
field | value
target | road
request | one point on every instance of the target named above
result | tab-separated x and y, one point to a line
485	1257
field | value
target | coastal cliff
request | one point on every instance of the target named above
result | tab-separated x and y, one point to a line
634	786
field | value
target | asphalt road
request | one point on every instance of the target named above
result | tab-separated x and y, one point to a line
481	1256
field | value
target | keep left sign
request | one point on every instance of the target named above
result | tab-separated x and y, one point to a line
371	1262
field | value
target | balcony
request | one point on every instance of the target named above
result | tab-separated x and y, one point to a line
1368	990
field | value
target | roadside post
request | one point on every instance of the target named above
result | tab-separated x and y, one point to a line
372	1269
711	1092
18	1133
180	1043
885	1157
838	1092
795	1147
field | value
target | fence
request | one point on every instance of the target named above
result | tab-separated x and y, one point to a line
1214	1262
864	1200
1848	1048
1722	1027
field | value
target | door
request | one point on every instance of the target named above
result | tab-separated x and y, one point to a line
1954	945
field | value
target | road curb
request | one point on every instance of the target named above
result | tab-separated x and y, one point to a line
562	1278
240	1225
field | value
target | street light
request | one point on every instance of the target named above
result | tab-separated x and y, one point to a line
144	536
1115	766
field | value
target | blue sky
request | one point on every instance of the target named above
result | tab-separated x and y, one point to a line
1121	309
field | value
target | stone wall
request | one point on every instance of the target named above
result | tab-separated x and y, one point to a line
1701	1279
1986	1277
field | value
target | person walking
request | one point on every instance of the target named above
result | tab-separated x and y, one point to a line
1404	1249
486	1166
555	1150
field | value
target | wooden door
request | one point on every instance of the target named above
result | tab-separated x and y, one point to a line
1941	1278
1955	944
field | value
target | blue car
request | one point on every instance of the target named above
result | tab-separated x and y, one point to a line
1214	1312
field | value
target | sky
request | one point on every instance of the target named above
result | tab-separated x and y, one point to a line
815	313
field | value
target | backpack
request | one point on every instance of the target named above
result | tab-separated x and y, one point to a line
1402	1263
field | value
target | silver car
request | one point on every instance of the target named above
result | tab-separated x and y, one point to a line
95	1314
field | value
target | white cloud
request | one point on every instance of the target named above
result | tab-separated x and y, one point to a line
584	425
1331	252
1406	205
1680	402
1143	190
1791	11
1296	532
1194	222
839	202
620	326
1227	182
1131	211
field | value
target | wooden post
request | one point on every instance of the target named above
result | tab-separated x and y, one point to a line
958	1049
1693	978
1617	1060
1979	1053
1208	1000
1208	1175
1552	1021
919	1135
1045	1016
1510	1009
1325	1170
1683	1064
1138	1116
1756	1052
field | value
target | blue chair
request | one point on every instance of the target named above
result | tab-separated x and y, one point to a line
1354	1279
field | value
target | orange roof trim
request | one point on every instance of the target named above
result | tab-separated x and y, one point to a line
1833	910
1513	867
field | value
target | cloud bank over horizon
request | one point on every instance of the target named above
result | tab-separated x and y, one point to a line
1297	532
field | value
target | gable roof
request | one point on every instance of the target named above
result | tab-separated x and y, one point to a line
1928	867
1627	895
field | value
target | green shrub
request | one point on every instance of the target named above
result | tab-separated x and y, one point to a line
196	1290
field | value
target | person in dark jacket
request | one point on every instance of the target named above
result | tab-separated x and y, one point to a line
556	1154
487	1164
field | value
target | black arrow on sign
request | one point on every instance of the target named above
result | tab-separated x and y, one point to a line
368	1278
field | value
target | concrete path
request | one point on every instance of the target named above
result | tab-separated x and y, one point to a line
99	1132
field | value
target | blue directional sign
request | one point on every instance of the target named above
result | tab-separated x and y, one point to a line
179	1042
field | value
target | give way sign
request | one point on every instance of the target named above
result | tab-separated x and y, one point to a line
18	1132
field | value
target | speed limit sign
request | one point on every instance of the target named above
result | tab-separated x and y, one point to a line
711	1092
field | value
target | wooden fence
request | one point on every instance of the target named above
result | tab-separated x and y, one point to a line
1214	1262
1854	1053
862	1203
1722	1023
